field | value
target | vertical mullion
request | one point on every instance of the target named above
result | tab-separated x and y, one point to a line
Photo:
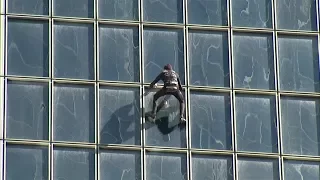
317	14
97	132
143	152
2	42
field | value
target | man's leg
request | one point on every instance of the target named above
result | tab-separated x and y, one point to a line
156	96
180	98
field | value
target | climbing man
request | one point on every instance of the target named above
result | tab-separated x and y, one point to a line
172	86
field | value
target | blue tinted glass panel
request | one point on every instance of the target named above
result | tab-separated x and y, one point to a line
256	123
300	170
26	162
28	48
296	14
37	7
253	61
119	57
252	13
169	11
124	165
166	131
210	121
299	65
209	58
27	112
73	113
118	9
73	164
258	168
300	125
163	46
74	8
166	166
119	115
207	12
206	167
73	51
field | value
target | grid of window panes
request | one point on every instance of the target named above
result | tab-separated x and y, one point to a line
74	75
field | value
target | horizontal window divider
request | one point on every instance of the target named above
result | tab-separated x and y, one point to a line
73	144
119	147
300	157
297	32
27	142
207	27
28	79
166	25
117	22
252	29
299	94
72	19
255	91
28	16
209	89
118	83
165	149
74	81
211	152
258	154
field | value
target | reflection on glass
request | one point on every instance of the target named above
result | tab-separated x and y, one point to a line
124	165
258	168
256	123
73	163
300	170
26	162
163	11
299	65
166	130
115	9
73	51
73	113
300	125
252	13
28	47
27	110
74	8
210	121
296	14
36	7
166	166
209	58
253	61
119	115
162	46
207	12
209	167
119	57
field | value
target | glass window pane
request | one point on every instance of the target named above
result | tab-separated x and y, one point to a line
209	58
73	163
27	111
258	168
210	121
296	14
119	115
119	57
37	7
74	8
28	47
124	165
256	123
253	61
115	9
73	113
26	162
207	12
208	167
166	131
163	46
252	13
299	66
163	11
301	170
166	166
73	51
300	125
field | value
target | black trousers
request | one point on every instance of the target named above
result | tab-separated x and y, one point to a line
169	91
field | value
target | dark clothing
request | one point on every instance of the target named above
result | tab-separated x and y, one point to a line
172	86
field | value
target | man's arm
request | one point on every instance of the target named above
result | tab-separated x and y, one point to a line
155	80
179	82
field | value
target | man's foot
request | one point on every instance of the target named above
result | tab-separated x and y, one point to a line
183	120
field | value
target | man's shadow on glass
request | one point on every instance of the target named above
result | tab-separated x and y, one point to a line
123	126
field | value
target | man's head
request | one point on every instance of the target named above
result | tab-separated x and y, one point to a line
167	67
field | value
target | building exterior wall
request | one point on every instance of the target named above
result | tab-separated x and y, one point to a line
74	77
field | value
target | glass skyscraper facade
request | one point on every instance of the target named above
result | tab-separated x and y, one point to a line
74	79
